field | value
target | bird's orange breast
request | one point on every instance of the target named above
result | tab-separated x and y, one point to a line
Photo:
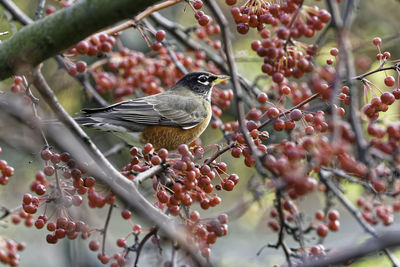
171	137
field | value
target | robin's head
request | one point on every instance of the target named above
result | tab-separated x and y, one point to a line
200	83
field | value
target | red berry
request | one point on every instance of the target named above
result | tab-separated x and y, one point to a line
126	214
81	66
51	239
387	98
204	20
389	81
39	224
228	185
377	41
322	230
156	46
27	199
319	215
333	215
160	35
82	47
198	4
242	28
334	52
46	154
18	80
272	113
396	93
334	225
121	242
136	229
174	210
94	245
296	114
194	216
49	9
148	148
277	77
72	70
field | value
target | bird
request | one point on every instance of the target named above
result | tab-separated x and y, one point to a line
177	116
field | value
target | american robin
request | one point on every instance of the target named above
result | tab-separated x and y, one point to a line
166	120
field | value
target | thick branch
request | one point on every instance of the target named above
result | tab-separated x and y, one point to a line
353	252
49	36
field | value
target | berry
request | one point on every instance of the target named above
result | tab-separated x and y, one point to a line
194	216
204	20
377	41
198	4
121	242
389	81
387	98
333	215
94	245
82	47
228	185
334	225
126	214
262	98
296	115
322	230
46	154
334	52
160	35
81	66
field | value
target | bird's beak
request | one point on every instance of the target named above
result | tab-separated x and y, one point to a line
220	79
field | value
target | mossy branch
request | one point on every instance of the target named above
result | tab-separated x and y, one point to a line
49	36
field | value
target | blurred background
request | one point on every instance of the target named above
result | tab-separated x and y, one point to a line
248	230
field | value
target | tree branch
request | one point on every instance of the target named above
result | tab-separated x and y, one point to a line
345	254
47	37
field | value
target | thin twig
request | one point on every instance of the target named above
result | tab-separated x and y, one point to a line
141	16
280	242
302	103
58	184
103	245
343	175
380	68
16	12
219	153
141	244
8	212
141	177
39	10
115	149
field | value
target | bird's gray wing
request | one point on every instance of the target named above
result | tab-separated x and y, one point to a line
162	109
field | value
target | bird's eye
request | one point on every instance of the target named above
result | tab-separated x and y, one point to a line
203	79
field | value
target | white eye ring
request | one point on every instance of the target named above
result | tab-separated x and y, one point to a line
203	79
